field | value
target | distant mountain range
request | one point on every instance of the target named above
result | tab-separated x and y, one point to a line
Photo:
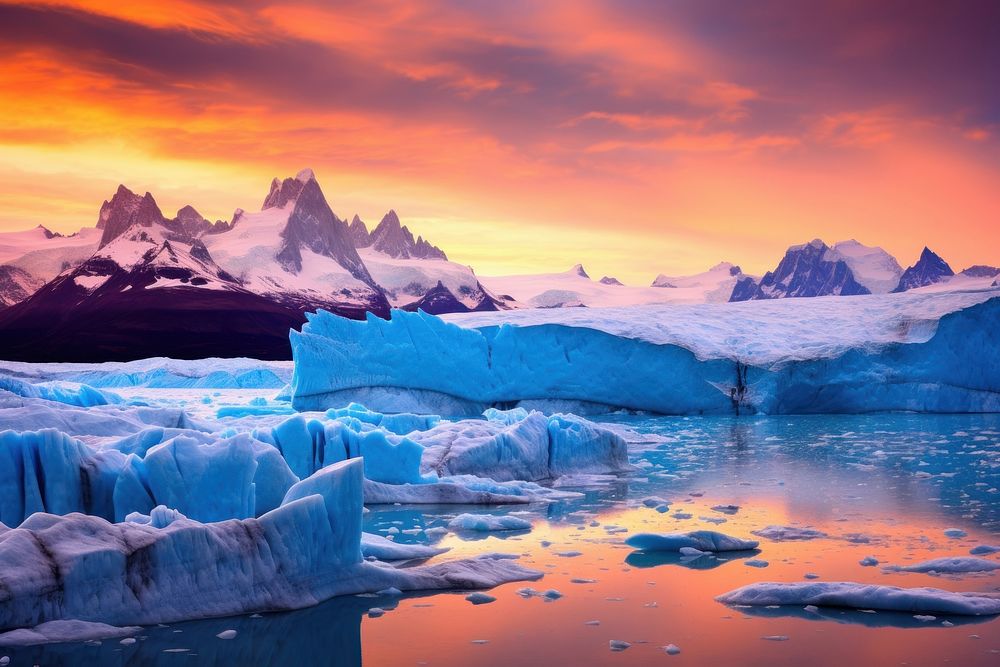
141	284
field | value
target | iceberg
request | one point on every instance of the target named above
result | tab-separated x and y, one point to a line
948	565
486	523
927	352
170	568
700	540
864	596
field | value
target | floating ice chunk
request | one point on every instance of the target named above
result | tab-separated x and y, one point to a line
863	596
547	595
954	533
654	501
480	598
949	565
617	645
925	618
726	509
775	638
868	561
671	649
756	562
227	634
789	533
984	550
488	523
703	540
52	632
376	546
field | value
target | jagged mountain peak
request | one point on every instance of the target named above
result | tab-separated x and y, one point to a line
394	239
611	280
125	210
359	232
580	271
806	270
929	269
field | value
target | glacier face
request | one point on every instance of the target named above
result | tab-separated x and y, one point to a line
921	352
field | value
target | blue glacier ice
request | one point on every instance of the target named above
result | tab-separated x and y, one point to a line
80	395
900	352
165	567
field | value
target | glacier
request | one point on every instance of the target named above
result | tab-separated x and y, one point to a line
916	351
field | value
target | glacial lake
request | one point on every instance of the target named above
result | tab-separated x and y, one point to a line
881	486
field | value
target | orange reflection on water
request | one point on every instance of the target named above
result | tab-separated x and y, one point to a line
668	603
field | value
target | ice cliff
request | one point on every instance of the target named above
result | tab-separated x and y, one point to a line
914	352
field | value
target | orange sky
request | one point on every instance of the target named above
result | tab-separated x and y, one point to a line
635	136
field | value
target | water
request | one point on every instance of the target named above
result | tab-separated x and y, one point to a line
886	486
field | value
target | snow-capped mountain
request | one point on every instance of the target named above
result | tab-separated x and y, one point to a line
28	259
871	266
929	269
574	288
223	288
806	270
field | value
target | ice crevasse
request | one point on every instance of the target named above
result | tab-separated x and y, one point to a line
928	353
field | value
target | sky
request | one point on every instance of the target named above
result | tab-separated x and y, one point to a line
635	136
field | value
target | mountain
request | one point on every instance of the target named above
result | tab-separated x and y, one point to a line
929	269
16	285
575	288
980	271
872	267
186	287
396	241
805	271
29	259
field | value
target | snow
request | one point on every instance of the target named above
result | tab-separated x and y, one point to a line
575	288
161	372
488	523
836	354
863	596
759	333
949	565
43	257
407	280
872	267
702	540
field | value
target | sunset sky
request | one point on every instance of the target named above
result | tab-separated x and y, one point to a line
635	136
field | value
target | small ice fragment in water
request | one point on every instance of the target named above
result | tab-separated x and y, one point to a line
480	641
582	581
811	608
924	618
788	533
480	598
811	575
726	509
569	554
227	634
984	549
375	612
591	622
671	649
618	645
756	562
682	515
955	533
776	638
868	561
127	641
